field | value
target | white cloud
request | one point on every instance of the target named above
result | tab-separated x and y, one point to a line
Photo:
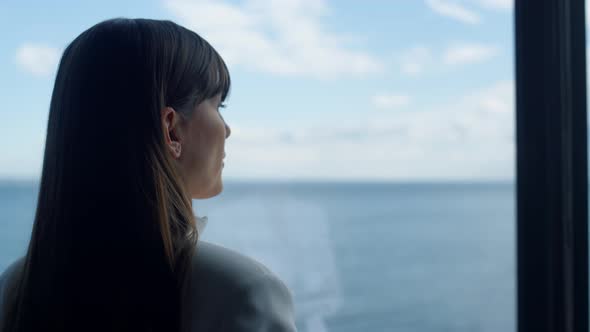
392	101
499	99
471	137
454	10
468	53
457	10
482	116
284	37
418	60
37	59
415	60
498	4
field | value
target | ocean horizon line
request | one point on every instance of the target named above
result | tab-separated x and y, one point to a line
327	181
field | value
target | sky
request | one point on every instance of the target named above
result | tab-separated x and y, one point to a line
379	90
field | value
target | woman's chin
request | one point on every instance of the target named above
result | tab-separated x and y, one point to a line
212	191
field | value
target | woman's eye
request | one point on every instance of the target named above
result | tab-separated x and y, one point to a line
222	105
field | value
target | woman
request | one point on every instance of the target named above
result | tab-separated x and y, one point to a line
134	132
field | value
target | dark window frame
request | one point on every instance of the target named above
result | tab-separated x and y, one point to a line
551	167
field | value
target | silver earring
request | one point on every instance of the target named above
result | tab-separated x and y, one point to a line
176	149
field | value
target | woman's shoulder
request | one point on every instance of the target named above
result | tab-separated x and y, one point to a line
8	279
12	268
9	276
228	290
231	291
211	261
229	268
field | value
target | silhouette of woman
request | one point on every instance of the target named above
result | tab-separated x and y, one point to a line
134	133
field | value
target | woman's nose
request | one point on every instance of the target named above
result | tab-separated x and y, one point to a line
227	131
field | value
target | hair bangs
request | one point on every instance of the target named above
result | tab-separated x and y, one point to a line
218	80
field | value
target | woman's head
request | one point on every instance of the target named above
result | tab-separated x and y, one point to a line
190	81
197	143
194	130
133	134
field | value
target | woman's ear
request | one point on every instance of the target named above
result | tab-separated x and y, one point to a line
171	125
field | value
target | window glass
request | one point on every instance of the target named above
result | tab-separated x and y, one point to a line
371	162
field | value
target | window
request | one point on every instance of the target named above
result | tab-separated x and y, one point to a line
372	158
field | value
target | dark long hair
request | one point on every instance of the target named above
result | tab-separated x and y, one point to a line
114	230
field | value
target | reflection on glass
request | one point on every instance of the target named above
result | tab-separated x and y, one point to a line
379	256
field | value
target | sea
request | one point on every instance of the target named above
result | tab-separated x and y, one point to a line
370	257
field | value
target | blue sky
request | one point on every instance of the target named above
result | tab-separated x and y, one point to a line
322	90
